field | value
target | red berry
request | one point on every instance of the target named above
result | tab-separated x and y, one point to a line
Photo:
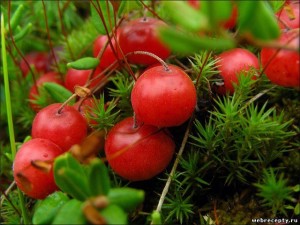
33	92
164	98
289	16
138	153
108	56
231	22
80	77
37	59
194	3
282	67
65	128
32	180
233	63
141	35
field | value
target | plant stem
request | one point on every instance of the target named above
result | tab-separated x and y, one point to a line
9	115
162	62
168	183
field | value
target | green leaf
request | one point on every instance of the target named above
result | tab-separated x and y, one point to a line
185	43
257	18
127	198
297	209
296	188
70	177
216	11
107	10
70	213
57	92
193	19
113	214
85	63
128	6
23	32
16	17
99	182
47	209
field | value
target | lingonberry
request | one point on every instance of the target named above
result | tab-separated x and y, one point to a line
282	67
65	127
37	59
233	63
34	92
141	35
138	153
32	167
164	98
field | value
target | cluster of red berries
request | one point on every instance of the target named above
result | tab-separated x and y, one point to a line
164	96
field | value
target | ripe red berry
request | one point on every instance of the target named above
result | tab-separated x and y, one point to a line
282	68
33	92
37	59
31	179
138	153
141	35
164	98
108	56
288	16
233	63
80	77
64	128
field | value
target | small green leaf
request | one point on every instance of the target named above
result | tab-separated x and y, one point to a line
70	177
185	43
16	17
85	63
127	198
47	209
23	32
57	92
113	214
296	188
216	11
99	182
70	213
297	209
108	14
257	18
128	6
193	19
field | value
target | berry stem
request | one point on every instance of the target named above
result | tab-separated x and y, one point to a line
163	63
65	103
170	177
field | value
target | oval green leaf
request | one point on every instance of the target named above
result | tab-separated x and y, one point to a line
70	213
185	43
57	92
85	63
127	198
113	214
47	209
99	182
70	177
